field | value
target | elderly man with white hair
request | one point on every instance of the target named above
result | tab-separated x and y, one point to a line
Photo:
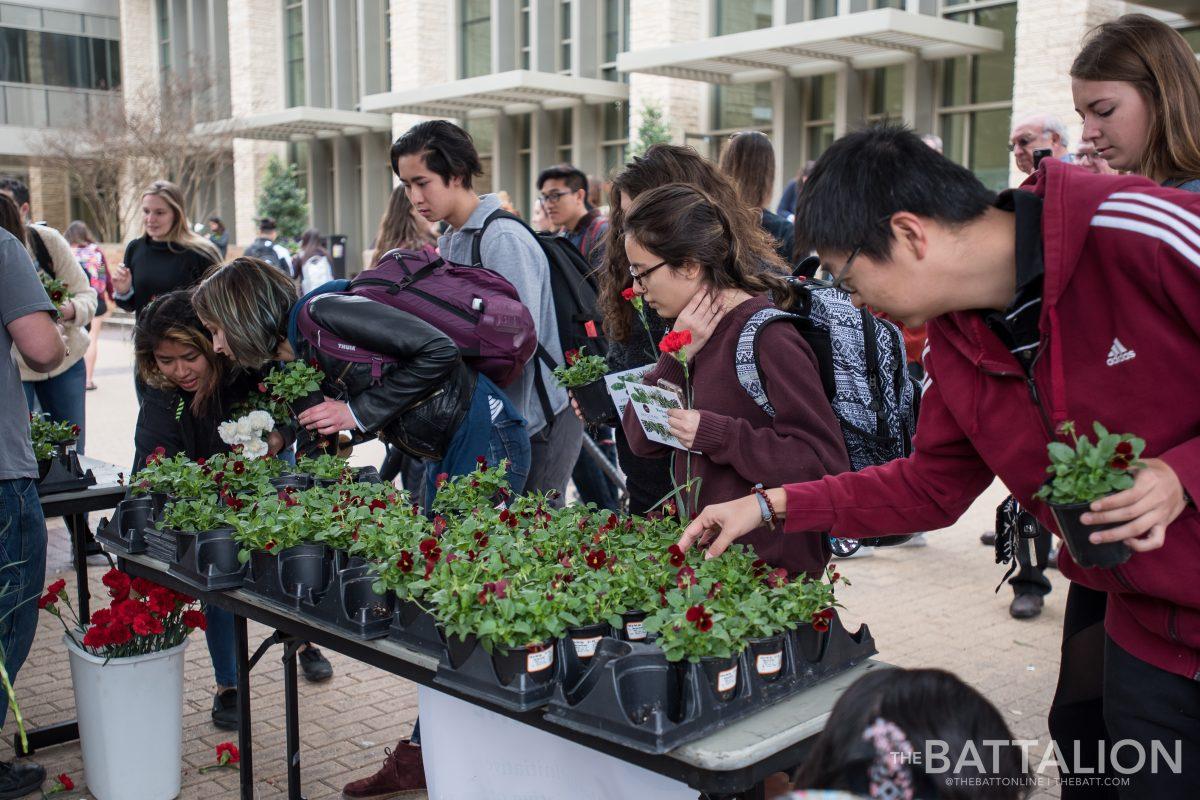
1037	132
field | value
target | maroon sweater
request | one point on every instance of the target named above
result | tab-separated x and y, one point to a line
739	444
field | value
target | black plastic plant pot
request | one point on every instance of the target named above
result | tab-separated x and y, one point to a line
595	403
633	627
262	577
586	638
723	675
353	605
63	473
160	501
305	572
297	482
125	532
415	628
1075	533
460	649
44	468
208	560
532	663
308	401
767	657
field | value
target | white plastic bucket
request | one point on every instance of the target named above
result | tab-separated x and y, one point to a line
130	714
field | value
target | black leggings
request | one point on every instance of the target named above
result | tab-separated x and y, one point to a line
1077	711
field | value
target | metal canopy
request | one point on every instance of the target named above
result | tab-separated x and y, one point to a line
862	40
302	122
514	92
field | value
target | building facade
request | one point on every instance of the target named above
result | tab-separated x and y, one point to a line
327	84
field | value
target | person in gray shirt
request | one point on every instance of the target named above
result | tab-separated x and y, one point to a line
436	162
26	324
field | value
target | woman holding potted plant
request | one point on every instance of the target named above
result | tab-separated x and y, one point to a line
189	393
427	401
711	270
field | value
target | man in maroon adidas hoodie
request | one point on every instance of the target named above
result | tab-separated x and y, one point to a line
1077	299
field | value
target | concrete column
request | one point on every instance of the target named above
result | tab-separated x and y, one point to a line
250	159
342	58
139	48
788	131
316	53
218	25
347	199
543	35
49	197
505	35
586	135
585	50
504	154
848	114
321	200
373	63
376	185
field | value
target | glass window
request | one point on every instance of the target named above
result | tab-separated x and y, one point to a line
1193	37
294	18
885	95
819	9
888	4
615	124
525	48
475	42
735	16
975	99
164	39
743	106
616	39
818	140
821	108
59	59
564	36
14	58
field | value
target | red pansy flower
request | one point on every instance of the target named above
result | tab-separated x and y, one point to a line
677	556
405	562
596	559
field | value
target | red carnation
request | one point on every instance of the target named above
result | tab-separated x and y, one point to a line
571	356
161	600
195	619
102	616
47	600
117	634
675	341
57	586
142	587
147	625
95	637
227	753
118	584
64	780
628	294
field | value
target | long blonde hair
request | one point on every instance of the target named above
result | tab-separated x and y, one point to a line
1158	61
181	232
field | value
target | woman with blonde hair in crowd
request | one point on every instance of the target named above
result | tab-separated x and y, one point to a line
91	258
167	256
401	227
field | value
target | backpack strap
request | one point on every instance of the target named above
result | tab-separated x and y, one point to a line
477	239
746	355
45	262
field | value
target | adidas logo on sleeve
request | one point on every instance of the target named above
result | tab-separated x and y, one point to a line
1119	353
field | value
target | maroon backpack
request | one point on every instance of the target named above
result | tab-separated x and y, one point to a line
479	310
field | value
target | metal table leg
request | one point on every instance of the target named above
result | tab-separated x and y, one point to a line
292	712
245	739
78	528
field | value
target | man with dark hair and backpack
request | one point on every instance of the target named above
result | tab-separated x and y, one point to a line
1075	299
564	191
437	162
265	249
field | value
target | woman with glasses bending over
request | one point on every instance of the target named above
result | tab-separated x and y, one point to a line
714	272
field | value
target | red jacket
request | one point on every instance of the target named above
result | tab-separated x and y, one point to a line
1120	330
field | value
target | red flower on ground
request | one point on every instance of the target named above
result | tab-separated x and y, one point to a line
118	584
677	556
65	781
675	341
596	559
628	294
227	753
195	619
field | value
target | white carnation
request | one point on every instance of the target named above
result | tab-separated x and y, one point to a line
244	428
255	448
261	420
228	432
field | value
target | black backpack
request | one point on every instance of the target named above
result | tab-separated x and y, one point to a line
264	250
573	288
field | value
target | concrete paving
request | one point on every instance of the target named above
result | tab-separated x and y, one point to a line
927	607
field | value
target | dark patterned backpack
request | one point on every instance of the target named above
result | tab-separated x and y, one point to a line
863	371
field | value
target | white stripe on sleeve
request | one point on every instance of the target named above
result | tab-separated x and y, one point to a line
1148	229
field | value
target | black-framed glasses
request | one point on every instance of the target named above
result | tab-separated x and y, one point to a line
554	196
839	281
640	277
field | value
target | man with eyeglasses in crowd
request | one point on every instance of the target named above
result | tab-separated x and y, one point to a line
1038	132
563	191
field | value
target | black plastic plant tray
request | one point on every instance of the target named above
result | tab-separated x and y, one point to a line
416	629
476	674
208	560
161	544
630	694
125	531
65	475
351	604
297	575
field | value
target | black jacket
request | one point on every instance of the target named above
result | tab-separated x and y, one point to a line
165	419
158	268
783	232
419	402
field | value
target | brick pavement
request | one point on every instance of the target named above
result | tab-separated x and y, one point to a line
929	606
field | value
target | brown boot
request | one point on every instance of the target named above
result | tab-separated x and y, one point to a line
401	776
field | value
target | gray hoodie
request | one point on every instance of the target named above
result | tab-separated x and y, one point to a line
508	249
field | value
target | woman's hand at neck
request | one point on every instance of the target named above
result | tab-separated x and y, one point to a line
705	311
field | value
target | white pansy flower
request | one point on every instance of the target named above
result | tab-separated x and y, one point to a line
255	448
228	432
261	420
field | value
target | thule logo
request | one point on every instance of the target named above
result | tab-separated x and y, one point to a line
1118	353
350	347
